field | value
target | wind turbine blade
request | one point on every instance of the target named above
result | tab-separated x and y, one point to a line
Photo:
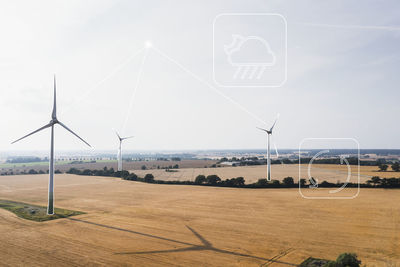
273	125
54	114
117	135
262	129
68	129
38	130
124	138
276	149
276	152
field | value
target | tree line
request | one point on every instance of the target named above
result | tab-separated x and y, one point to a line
249	161
24	172
215	180
25	160
384	167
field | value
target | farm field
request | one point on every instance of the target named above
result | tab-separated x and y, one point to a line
364	170
133	223
324	172
100	164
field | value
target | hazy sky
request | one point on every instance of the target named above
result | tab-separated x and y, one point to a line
342	81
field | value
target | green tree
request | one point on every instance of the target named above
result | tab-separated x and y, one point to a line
303	182
239	181
143	167
124	174
213	179
375	180
131	177
149	178
383	167
396	167
200	179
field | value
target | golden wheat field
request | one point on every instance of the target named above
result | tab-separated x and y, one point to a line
138	224
324	172
364	170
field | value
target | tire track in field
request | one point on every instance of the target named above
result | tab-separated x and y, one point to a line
277	257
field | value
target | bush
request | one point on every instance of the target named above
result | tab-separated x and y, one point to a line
74	171
234	182
122	174
331	264
288	181
239	181
262	182
276	182
347	260
87	172
375	180
344	260
32	171
131	177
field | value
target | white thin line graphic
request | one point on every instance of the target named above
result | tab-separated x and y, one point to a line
207	84
138	79
94	87
355	27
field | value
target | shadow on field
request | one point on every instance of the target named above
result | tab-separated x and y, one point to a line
206	245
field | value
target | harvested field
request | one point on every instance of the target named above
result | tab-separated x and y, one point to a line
133	223
330	173
364	170
134	165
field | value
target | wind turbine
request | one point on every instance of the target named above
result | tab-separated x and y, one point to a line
121	139
269	133
53	121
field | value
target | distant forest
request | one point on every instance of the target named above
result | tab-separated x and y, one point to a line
255	161
25	159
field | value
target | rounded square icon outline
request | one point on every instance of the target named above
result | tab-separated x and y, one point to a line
285	50
358	167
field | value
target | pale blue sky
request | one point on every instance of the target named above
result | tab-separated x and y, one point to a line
343	81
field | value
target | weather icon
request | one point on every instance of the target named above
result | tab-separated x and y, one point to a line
250	55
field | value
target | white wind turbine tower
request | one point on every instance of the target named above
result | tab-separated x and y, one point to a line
269	133
53	121
121	139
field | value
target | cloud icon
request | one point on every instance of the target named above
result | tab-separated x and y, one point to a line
250	50
251	55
